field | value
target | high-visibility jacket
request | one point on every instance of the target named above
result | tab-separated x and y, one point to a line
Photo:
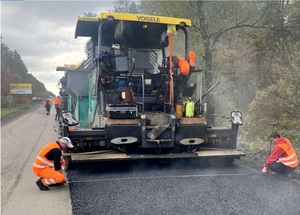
291	158
41	161
189	109
47	103
183	65
57	102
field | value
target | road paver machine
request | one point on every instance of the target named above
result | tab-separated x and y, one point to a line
127	100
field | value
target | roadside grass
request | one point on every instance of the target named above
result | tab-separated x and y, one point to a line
11	110
256	151
8	111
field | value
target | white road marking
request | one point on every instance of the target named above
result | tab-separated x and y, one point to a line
157	177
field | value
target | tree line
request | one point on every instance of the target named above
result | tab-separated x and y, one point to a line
14	70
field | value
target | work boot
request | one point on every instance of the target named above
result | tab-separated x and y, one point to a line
272	173
57	184
42	187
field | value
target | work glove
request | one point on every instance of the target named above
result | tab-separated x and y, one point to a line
63	163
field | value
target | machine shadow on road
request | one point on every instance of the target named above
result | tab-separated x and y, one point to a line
140	166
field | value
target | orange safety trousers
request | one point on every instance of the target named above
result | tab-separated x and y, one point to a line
49	175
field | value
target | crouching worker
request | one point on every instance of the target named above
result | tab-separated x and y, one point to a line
283	159
49	163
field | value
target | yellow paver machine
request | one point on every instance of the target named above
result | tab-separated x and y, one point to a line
127	100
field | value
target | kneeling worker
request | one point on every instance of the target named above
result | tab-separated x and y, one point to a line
48	164
283	159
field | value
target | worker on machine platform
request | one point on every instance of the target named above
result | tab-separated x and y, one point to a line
49	163
283	160
189	108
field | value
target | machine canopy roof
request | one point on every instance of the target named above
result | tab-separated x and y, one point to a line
133	30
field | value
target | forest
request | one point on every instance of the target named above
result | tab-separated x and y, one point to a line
252	49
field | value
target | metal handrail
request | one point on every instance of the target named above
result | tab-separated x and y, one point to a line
141	76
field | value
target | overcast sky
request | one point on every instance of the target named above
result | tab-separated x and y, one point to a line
42	32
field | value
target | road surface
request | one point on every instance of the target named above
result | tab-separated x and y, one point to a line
21	140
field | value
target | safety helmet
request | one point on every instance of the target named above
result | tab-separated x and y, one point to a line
67	141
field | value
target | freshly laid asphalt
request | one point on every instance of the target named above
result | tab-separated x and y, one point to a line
180	187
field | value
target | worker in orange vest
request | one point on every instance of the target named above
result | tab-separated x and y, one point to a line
283	160
57	105
49	163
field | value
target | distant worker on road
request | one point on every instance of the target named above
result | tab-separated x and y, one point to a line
48	164
189	108
47	105
57	104
283	160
